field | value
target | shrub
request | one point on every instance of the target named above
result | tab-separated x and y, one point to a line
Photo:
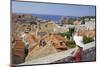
71	44
68	34
87	39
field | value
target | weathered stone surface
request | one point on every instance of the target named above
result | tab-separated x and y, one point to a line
88	55
42	52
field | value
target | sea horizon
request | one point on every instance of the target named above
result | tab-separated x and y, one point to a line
56	18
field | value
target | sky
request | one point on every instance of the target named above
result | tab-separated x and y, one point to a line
52	9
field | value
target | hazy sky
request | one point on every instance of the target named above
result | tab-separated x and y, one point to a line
52	9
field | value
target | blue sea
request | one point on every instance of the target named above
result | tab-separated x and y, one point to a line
48	17
56	18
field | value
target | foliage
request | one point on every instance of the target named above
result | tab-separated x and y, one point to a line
71	30
68	34
71	44
87	39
